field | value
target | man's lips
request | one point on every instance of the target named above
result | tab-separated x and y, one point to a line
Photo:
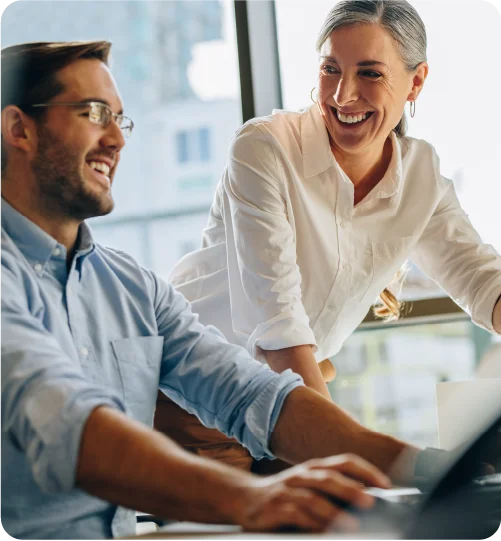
100	177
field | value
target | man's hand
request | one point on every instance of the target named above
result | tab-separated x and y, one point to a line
299	497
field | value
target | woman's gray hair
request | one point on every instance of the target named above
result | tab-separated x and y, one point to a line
397	17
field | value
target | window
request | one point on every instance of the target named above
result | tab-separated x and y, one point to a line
182	147
386	377
176	67
193	145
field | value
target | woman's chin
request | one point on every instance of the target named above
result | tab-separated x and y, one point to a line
350	142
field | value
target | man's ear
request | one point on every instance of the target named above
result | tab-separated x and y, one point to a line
418	81
18	129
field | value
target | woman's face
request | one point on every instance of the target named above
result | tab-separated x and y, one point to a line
363	86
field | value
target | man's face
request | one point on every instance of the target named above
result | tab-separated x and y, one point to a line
75	162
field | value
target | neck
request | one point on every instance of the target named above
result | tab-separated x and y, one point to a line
367	167
25	201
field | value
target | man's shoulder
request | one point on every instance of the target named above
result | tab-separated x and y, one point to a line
12	258
125	266
116	255
18	279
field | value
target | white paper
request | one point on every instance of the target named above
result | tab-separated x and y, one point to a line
464	408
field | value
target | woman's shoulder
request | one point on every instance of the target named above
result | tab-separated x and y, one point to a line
279	124
419	151
420	158
416	148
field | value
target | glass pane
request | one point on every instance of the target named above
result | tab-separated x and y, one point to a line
176	67
455	111
386	378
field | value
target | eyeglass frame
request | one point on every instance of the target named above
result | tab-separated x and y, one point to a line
117	117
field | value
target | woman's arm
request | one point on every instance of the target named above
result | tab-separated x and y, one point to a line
452	253
261	228
496	316
301	360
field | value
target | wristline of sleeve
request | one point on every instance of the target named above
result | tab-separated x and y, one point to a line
430	462
261	429
483	305
283	331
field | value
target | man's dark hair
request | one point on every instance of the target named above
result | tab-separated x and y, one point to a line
29	71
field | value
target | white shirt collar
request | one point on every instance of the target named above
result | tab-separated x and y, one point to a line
317	154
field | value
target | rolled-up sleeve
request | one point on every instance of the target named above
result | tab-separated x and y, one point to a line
452	253
218	382
264	278
45	398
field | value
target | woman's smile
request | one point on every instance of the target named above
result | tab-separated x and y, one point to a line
351	120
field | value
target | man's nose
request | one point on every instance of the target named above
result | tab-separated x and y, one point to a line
113	137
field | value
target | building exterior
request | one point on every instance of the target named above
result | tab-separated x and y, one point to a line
170	167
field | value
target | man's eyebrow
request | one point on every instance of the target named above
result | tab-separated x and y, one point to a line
363	63
100	100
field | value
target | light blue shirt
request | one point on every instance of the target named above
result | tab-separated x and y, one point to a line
105	332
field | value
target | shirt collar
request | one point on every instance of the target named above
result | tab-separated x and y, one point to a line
317	154
34	243
390	183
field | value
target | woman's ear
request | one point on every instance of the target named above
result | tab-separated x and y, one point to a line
18	129
418	80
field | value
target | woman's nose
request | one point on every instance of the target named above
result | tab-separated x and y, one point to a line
346	91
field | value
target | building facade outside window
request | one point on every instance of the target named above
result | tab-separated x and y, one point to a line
176	66
193	145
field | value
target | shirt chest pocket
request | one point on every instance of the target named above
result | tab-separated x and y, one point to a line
138	361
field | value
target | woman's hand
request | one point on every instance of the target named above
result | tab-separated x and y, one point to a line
299	497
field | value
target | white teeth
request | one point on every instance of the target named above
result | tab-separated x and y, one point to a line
349	119
101	167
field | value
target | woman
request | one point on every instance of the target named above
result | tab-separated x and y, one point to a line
318	209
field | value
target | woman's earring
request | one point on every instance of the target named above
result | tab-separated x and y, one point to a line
311	95
412	107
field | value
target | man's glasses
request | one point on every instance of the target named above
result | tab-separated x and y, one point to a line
99	113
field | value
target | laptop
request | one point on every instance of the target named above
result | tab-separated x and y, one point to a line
458	504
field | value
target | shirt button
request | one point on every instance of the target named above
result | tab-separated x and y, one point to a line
344	225
57	251
38	267
347	267
84	352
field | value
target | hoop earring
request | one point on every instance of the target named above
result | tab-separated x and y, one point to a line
311	95
412	107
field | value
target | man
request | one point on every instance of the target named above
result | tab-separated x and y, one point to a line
89	336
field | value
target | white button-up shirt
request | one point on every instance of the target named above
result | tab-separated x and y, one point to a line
288	259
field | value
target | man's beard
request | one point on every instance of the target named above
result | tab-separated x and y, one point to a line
62	188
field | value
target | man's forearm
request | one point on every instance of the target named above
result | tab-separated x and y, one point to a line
130	465
311	426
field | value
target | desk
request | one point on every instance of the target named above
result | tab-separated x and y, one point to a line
192	530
